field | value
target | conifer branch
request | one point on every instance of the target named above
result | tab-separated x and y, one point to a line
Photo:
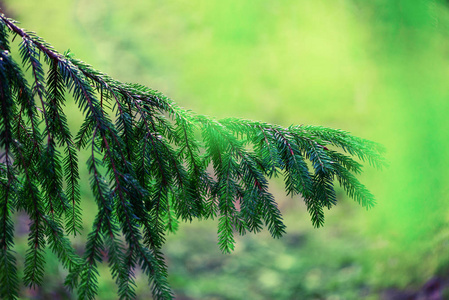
148	167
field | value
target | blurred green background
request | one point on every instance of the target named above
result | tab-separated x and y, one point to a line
378	69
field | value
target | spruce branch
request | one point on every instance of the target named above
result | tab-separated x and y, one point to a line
149	167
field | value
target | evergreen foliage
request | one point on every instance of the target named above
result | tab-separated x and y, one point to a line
151	164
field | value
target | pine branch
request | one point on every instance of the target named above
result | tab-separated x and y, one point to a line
149	166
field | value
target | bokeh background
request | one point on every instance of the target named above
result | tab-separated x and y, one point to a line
379	69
